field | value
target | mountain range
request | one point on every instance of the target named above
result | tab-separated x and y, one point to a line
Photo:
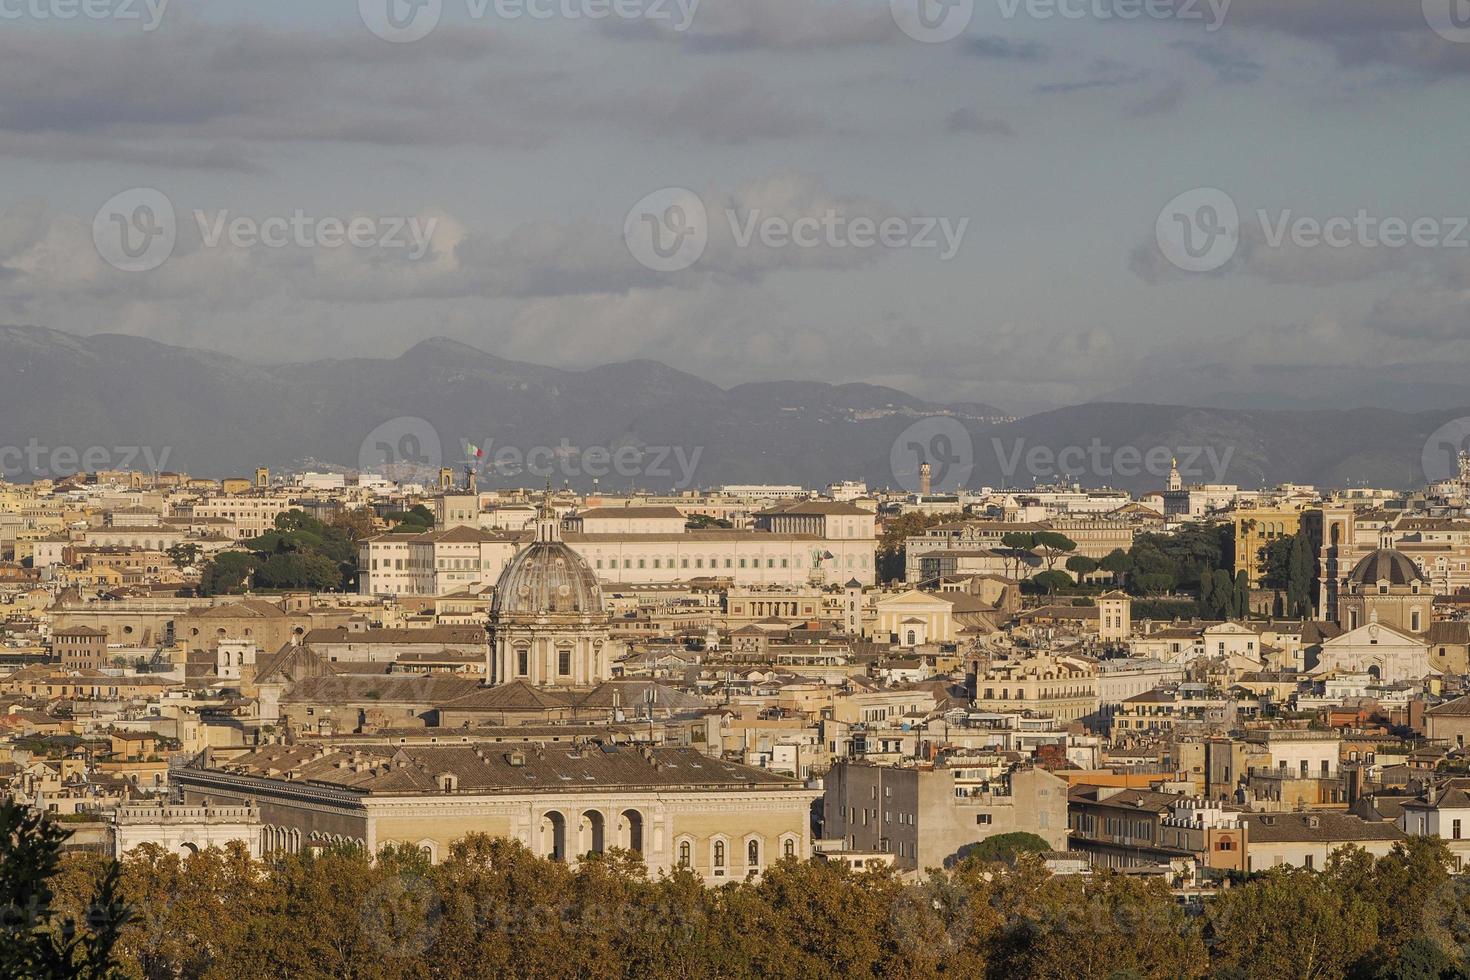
639	423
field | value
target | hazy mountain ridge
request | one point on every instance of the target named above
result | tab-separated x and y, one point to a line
216	415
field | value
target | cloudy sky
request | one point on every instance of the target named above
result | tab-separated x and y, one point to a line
1053	180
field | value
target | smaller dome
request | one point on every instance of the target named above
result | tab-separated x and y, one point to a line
1385	564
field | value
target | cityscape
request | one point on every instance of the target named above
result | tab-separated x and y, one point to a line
734	488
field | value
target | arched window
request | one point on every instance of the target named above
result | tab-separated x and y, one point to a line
788	849
719	854
684	851
753	854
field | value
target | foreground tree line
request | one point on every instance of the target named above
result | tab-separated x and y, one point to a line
492	909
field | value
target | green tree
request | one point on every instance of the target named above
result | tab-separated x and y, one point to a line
891	557
35	942
1050	582
1081	566
1118	563
183	554
1052	545
1007	847
227	573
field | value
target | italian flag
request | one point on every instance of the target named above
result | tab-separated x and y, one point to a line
474	450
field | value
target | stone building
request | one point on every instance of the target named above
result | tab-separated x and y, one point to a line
918	814
547	622
674	806
1385	587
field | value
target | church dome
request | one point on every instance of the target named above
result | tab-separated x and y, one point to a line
547	577
1385	564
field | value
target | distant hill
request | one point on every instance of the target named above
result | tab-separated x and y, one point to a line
213	415
209	414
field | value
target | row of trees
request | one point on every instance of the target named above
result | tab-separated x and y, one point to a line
493	910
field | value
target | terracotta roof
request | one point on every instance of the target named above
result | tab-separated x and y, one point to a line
502	769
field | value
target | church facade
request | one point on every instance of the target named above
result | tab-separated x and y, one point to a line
548	627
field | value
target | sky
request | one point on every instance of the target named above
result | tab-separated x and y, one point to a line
1027	203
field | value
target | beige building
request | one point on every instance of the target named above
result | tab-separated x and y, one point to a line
673	806
921	816
1060	687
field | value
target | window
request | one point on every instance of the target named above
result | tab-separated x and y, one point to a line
789	848
1309	862
563	661
1455	830
719	861
753	854
523	662
684	854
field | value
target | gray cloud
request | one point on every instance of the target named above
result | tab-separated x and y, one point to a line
1005	49
968	120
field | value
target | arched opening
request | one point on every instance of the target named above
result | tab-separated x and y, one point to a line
633	831
554	836
686	853
753	855
1375	672
189	849
596	839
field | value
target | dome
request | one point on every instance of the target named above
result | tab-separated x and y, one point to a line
1385	564
547	577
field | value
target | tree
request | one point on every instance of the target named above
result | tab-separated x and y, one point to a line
1291	922
892	559
355	522
34	941
1119	563
1017	544
1051	582
1007	847
1081	566
227	573
1052	545
183	554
